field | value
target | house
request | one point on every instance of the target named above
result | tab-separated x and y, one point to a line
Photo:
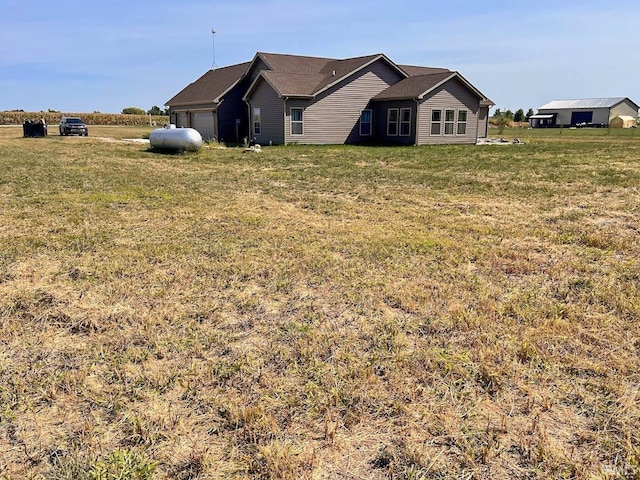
583	112
283	99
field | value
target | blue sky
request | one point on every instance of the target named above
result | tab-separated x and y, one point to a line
107	55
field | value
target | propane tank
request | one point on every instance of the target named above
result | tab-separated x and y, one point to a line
172	138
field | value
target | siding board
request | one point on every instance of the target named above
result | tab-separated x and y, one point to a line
380	122
334	117
453	95
232	108
272	112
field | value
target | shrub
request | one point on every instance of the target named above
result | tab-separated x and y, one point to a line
133	111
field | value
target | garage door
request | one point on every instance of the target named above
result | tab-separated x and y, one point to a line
203	122
581	117
181	120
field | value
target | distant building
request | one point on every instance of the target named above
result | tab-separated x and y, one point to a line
596	112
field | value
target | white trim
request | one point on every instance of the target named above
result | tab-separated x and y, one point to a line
296	122
370	122
432	122
451	122
402	122
253	121
458	122
396	123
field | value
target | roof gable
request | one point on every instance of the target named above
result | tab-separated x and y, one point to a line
293	75
211	86
418	86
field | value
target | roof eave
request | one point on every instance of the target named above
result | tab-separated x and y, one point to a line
391	99
188	104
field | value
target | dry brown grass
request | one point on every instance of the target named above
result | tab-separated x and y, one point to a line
328	312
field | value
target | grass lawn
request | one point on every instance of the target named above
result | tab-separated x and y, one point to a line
329	312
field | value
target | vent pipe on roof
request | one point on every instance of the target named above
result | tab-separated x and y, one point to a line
333	74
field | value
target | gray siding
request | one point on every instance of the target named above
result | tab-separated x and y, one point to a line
231	109
380	122
453	95
258	66
272	112
334	116
483	122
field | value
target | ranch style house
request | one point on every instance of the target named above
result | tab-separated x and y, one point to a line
283	99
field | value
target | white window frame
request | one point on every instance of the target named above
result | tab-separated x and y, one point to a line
370	123
297	122
434	122
406	123
451	123
462	122
257	113
396	123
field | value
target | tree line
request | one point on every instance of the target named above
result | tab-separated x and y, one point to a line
155	110
519	116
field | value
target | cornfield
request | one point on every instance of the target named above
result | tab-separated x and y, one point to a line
17	118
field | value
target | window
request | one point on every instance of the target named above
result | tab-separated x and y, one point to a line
365	122
392	122
257	121
449	121
436	122
462	122
297	125
405	122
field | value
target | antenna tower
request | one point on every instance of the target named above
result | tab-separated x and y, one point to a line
213	45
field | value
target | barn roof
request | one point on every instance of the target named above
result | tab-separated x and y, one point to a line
583	103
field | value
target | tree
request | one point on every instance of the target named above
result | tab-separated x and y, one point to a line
529	114
155	110
519	116
502	120
497	113
133	111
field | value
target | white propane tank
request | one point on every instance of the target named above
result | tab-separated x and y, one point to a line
172	138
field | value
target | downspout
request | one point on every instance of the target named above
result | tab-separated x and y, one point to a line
417	120
250	117
284	120
216	122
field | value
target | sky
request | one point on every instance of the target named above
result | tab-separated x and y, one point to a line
108	55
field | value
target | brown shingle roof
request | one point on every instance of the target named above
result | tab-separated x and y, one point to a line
293	84
293	75
412	70
210	86
413	87
296	75
294	63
